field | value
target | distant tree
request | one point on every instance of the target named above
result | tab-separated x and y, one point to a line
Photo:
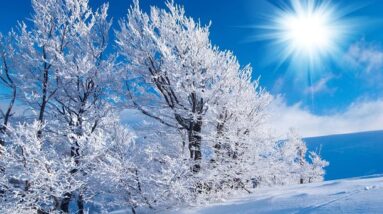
316	172
294	161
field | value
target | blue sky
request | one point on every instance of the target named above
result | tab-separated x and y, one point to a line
343	85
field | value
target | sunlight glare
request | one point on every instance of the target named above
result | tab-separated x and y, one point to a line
307	33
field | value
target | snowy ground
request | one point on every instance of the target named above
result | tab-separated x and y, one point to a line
360	195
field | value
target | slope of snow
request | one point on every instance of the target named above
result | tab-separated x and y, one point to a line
361	195
350	155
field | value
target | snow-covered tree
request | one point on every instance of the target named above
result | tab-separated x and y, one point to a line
38	48
34	176
177	70
64	66
315	171
292	164
65	75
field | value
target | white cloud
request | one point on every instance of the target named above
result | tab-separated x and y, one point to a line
359	116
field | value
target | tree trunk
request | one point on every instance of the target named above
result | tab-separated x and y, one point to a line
43	101
195	143
218	145
75	153
80	204
65	202
9	110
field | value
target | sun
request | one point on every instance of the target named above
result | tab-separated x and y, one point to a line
305	33
307	28
308	32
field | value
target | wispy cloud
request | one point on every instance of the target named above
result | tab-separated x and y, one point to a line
366	58
359	116
321	86
278	85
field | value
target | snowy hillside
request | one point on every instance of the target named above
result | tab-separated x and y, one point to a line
350	155
361	195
